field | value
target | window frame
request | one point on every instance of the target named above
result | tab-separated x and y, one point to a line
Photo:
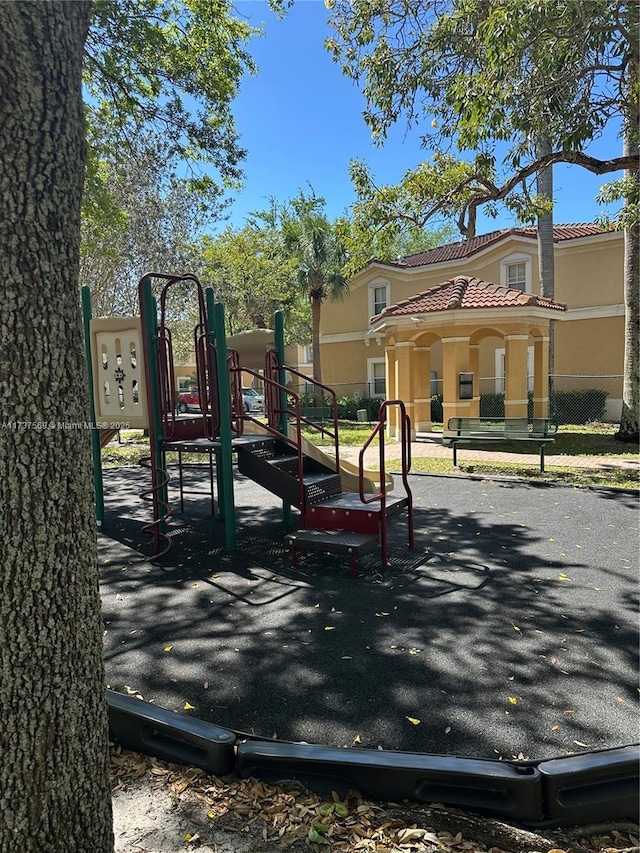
511	261
372	363
378	284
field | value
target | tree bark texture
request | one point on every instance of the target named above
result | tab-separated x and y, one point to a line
546	251
316	310
54	783
630	416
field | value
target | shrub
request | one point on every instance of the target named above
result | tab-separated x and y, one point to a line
348	408
579	407
492	405
436	408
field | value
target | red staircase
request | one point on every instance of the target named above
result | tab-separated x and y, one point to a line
332	520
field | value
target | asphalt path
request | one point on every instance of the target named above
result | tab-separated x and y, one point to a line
510	629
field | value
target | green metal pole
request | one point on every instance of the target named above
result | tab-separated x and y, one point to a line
224	403
95	433
209	299
278	327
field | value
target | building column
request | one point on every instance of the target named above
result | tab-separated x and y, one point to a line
455	360
515	369
422	387
474	366
405	368
390	382
541	377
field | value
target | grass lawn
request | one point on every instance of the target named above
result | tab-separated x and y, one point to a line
590	442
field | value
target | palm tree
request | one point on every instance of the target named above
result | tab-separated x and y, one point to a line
309	237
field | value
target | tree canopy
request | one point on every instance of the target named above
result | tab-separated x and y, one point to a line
487	80
174	67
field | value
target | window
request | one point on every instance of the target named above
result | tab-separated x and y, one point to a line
378	297
307	355
376	369
515	272
517	276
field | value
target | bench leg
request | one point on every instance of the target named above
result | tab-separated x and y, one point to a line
455	454
294	557
542	458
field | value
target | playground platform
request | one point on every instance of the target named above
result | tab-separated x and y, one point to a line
510	629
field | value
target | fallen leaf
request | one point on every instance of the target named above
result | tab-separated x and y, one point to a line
188	707
413	720
447	730
357	739
330	628
168	648
513	700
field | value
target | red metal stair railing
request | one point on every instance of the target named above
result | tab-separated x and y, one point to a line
381	496
275	410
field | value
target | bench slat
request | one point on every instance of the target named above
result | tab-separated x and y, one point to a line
464	430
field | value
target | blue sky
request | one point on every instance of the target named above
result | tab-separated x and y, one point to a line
301	120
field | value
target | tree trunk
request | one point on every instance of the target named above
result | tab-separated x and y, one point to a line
546	252
54	782
630	415
316	308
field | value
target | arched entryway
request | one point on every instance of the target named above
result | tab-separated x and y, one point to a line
454	319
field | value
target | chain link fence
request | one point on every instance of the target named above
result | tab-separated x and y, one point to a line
573	399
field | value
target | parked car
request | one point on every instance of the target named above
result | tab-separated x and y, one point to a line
253	400
189	401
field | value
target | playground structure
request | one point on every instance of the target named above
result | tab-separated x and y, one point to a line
130	362
343	509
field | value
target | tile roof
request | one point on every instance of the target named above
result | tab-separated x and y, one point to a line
462	293
467	248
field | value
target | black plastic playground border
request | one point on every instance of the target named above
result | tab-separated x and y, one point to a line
564	791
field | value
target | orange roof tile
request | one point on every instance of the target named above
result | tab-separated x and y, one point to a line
463	293
467	248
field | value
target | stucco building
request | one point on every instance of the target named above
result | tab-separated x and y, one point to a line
397	313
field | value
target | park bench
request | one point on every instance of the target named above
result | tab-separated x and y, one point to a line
467	430
316	414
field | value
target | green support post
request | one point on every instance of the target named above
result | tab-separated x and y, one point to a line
95	433
209	301
278	323
224	403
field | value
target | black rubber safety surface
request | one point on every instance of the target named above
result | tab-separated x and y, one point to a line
510	629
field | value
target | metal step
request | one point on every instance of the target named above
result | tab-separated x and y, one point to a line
347	512
333	542
264	468
286	462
